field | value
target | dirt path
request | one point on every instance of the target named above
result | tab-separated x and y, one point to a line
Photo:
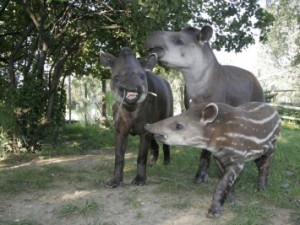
128	205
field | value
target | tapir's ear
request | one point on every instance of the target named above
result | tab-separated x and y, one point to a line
148	62
210	113
205	34
106	59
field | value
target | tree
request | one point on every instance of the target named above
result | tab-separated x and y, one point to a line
284	37
281	56
48	40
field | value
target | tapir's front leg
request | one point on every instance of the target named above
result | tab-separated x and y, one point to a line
230	174
141	177
202	175
120	147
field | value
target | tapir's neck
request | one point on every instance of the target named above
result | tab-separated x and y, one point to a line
202	74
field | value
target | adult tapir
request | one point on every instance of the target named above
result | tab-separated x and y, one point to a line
206	80
141	97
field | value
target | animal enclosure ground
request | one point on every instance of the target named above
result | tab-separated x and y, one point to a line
70	189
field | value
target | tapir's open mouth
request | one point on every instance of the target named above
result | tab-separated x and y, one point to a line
130	97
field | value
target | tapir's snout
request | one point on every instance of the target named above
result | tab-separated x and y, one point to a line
149	127
155	43
152	128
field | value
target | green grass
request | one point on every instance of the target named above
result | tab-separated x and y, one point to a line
30	179
85	209
251	207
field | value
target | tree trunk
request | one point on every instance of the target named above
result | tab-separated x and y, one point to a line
85	103
70	100
58	71
103	111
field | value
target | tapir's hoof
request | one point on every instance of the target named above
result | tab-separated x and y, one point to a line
213	213
139	181
261	187
202	178
151	163
113	183
167	162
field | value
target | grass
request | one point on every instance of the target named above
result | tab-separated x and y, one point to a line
252	207
20	222
29	179
86	209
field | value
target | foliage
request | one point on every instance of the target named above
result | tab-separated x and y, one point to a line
289	112
284	36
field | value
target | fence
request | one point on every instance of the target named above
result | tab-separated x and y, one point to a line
287	107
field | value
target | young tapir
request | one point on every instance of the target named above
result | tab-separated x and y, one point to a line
234	135
141	97
205	79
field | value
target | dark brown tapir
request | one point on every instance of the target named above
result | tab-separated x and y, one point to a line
206	80
141	97
234	135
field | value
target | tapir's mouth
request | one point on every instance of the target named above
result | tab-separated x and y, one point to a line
130	97
160	137
157	50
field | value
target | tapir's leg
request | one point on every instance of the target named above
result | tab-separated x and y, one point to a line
167	158
141	177
263	165
202	175
154	148
230	195
120	147
222	189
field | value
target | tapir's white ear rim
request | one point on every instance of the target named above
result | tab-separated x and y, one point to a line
210	113
106	59
149	62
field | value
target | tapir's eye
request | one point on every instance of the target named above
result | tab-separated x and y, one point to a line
178	126
116	78
179	42
142	76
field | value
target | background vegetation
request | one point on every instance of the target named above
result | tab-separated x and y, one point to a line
45	41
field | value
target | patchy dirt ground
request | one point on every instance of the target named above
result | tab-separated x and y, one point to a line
128	204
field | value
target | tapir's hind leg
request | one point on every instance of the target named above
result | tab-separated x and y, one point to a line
263	165
167	158
154	150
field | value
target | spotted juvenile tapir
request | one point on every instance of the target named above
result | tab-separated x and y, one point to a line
206	80
234	135
141	97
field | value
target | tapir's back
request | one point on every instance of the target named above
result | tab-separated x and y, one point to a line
242	86
256	130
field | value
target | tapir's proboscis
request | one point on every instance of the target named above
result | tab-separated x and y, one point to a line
205	79
234	135
141	97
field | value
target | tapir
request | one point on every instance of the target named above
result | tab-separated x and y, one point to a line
141	97
206	80
234	135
